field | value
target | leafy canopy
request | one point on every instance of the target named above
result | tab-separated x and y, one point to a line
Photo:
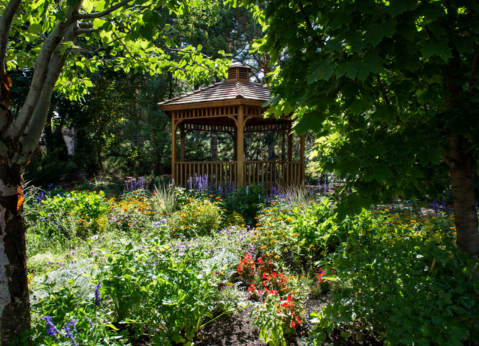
134	37
382	83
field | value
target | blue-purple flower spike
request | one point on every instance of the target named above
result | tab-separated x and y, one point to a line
97	294
69	332
52	330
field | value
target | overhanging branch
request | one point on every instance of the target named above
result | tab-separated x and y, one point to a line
103	13
5	25
17	128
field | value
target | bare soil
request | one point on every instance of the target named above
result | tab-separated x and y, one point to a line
237	330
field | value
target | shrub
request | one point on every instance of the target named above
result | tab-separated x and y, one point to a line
413	287
163	296
245	201
235	219
196	218
69	215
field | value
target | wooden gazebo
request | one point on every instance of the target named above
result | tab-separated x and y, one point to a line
234	107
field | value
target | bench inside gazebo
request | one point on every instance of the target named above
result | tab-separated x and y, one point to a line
234	107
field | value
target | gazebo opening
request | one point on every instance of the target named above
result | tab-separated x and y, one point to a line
234	107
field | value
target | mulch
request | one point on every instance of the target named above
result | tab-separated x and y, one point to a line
237	330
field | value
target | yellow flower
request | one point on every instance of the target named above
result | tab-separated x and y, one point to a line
270	255
263	247
386	210
277	256
302	277
229	284
453	227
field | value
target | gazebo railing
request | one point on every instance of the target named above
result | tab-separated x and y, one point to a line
268	173
225	174
218	173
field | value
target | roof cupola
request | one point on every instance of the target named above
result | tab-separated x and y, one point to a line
238	72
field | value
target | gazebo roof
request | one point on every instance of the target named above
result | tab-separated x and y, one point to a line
223	91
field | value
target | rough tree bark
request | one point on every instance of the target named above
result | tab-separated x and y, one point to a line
14	297
462	183
460	164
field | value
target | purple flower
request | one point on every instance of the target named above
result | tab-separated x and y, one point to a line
97	294
52	330
73	252
69	332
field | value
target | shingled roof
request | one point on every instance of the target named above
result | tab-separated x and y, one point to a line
223	91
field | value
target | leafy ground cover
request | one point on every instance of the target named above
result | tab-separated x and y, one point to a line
202	267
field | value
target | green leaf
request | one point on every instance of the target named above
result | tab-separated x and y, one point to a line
310	121
87	6
322	70
97	23
377	32
464	44
35	28
440	49
37	4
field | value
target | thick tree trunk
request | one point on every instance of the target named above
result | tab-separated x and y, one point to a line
14	297
461	167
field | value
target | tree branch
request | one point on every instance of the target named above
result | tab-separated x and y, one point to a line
447	161
308	24
383	92
475	62
469	150
37	124
121	42
5	25
15	130
103	13
79	32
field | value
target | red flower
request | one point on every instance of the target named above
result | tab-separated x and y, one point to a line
292	325
252	287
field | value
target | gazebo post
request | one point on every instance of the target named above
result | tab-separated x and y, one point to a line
290	157
235	144
173	145
239	146
303	161
182	145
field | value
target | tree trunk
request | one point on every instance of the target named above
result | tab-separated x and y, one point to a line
14	297
461	168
